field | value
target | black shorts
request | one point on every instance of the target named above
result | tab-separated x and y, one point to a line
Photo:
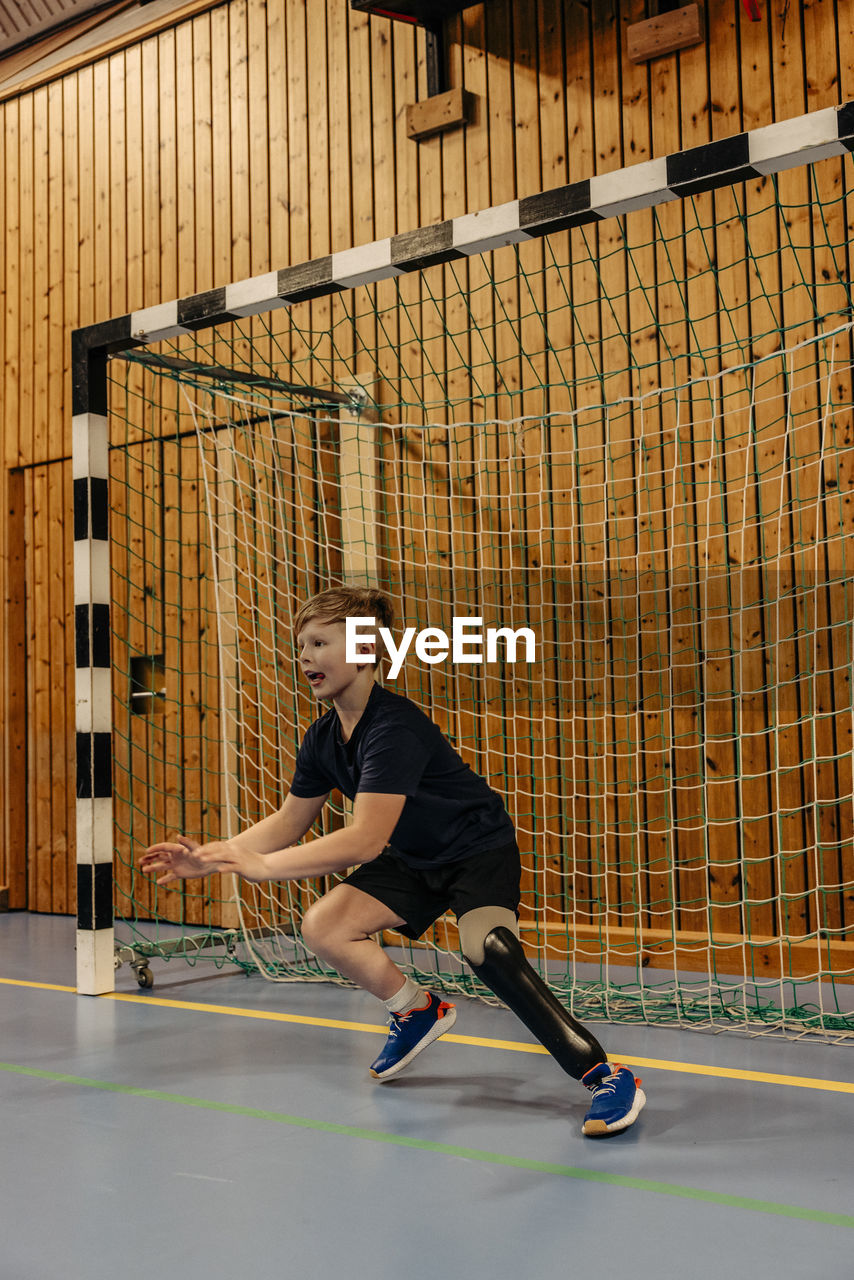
420	895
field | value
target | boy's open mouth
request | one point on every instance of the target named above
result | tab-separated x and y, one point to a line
315	677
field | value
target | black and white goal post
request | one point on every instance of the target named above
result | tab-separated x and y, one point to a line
93	711
90	460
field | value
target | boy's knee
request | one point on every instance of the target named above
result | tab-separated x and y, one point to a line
475	926
313	929
325	927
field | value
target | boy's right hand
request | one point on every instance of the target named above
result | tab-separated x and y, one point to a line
174	860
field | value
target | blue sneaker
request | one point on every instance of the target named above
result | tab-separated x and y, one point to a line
409	1033
617	1100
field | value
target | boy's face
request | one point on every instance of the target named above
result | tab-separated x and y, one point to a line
321	647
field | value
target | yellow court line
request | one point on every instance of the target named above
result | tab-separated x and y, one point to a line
264	1015
41	986
482	1042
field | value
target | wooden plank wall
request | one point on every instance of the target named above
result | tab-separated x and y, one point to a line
261	133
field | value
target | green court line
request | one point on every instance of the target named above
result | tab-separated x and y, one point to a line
447	1149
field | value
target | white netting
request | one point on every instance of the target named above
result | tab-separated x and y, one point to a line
678	759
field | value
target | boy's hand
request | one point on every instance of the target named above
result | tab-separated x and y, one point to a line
185	859
174	860
223	855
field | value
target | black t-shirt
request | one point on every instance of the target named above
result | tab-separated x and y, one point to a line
450	812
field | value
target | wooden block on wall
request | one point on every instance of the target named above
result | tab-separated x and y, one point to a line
440	112
665	33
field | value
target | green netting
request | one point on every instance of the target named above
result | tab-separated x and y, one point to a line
635	438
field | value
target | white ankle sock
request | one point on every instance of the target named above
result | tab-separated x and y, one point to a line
409	997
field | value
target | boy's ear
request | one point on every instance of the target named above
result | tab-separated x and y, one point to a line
366	647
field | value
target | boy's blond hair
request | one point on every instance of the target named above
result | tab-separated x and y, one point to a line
340	603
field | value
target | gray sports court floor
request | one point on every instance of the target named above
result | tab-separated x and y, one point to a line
221	1126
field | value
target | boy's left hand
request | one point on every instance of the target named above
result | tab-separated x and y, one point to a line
223	856
183	859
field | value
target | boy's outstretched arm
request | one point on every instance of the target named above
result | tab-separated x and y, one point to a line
178	859
375	815
287	825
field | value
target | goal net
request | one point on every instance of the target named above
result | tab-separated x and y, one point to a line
633	437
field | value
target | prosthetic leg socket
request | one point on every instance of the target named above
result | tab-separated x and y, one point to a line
506	971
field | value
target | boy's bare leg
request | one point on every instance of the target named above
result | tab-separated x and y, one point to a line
338	930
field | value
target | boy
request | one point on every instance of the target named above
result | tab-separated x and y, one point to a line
428	833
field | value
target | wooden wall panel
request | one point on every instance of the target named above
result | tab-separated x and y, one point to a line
83	162
264	132
13	689
49	660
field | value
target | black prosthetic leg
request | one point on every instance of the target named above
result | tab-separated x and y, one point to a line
506	971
